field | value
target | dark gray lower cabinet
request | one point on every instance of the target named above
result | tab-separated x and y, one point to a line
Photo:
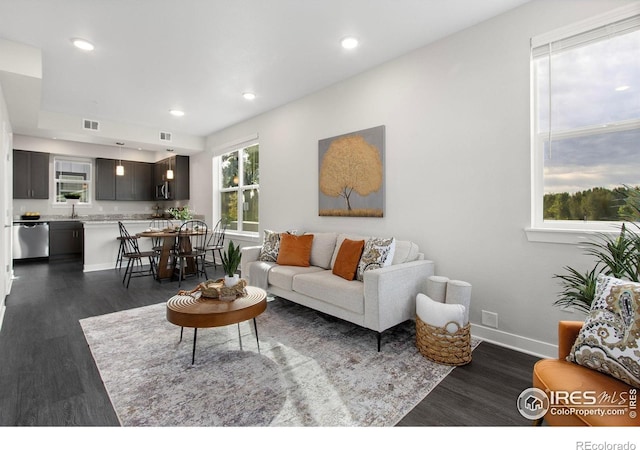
66	240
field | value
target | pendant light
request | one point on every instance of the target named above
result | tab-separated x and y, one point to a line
120	167
169	171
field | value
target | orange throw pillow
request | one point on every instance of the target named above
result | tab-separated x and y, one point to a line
295	250
348	258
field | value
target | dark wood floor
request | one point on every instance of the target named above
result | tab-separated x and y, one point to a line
48	376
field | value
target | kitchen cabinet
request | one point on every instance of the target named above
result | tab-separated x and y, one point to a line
66	240
178	188
105	179
135	184
30	175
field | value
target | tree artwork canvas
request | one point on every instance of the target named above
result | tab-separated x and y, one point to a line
351	174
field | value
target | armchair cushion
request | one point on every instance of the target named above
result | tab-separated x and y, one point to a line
608	340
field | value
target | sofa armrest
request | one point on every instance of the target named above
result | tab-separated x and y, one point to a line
249	254
568	331
390	293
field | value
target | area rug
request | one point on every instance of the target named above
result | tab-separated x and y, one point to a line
310	370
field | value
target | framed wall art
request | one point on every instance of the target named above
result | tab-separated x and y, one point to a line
351	174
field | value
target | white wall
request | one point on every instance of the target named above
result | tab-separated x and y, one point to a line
6	189
457	165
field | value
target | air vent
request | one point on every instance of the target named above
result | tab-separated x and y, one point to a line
92	125
165	136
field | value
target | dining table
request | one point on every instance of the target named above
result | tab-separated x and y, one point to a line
166	265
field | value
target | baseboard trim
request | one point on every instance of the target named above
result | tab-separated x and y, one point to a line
515	342
96	267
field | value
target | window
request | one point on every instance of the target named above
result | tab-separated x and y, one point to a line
72	179
240	189
586	122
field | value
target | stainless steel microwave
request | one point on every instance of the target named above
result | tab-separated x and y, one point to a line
162	191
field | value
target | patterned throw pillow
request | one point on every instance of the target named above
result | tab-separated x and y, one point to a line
608	340
270	246
378	252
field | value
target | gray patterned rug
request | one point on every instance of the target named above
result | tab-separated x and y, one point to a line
311	370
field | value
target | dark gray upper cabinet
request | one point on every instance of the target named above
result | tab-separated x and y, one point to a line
30	175
178	188
135	184
105	179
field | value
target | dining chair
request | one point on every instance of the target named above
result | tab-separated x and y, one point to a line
160	225
216	242
135	258
189	251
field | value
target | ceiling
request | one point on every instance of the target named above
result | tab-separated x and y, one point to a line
198	56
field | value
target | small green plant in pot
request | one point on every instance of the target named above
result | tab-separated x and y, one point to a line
230	263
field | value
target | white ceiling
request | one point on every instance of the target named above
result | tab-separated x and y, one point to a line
200	56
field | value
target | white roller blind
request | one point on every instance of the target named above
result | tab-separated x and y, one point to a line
620	21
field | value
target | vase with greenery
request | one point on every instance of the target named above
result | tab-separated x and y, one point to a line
230	263
615	255
180	213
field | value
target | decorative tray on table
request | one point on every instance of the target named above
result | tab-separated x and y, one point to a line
216	290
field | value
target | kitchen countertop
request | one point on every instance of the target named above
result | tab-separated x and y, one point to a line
87	219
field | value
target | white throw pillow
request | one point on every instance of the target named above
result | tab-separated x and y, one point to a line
609	338
377	253
439	314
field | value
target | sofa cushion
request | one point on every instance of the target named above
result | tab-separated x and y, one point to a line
406	251
324	244
608	340
377	253
341	237
331	289
282	276
295	250
348	258
270	246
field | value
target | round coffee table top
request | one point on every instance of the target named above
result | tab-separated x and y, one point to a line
202	312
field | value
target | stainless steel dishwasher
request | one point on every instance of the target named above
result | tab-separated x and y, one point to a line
30	240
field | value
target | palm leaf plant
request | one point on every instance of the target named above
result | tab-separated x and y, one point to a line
617	256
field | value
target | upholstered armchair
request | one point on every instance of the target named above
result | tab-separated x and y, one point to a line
560	375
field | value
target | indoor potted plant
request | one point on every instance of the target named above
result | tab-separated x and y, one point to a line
230	262
617	256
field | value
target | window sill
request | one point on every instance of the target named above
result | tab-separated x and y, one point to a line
573	236
252	237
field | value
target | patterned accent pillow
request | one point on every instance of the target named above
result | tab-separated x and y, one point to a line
270	246
608	340
378	252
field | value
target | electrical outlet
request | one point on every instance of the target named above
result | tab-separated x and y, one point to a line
490	319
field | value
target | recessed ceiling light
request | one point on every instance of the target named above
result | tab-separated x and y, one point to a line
249	96
176	112
622	88
82	44
349	43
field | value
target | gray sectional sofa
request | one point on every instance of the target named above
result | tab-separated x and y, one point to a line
385	297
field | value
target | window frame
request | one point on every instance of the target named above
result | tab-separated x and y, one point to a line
567	231
56	180
239	189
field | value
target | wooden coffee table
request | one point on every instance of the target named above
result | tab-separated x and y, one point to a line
200	312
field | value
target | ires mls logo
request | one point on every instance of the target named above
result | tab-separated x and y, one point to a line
534	403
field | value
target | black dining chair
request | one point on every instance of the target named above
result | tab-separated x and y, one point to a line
189	251
159	225
216	243
135	258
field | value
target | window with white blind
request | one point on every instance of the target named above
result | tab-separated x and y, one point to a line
586	122
72	180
